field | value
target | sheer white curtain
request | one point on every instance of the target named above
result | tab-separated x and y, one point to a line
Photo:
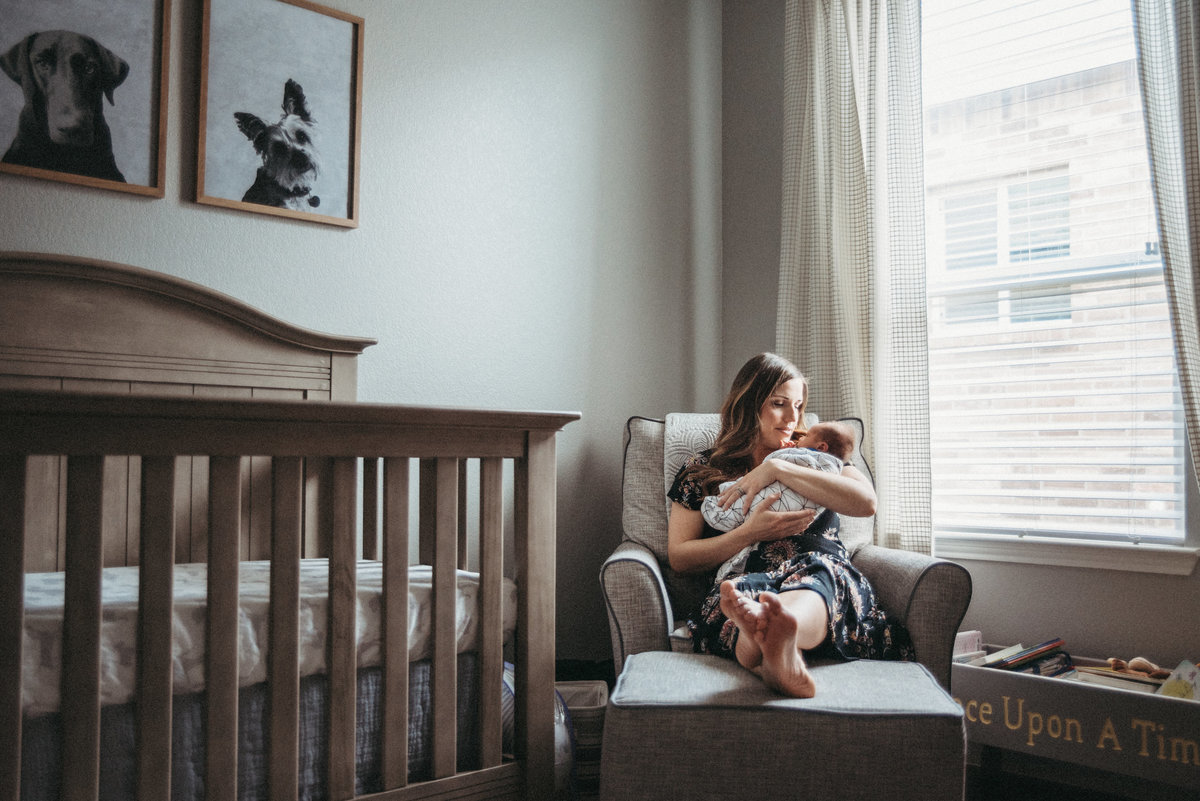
1168	35
852	275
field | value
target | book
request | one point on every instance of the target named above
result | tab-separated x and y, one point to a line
1027	654
1001	655
1122	681
1105	670
966	642
1055	663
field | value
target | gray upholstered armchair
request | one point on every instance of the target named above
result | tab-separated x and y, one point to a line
646	600
874	729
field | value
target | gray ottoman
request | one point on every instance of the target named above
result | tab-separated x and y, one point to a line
692	726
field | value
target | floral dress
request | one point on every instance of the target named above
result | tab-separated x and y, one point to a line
814	559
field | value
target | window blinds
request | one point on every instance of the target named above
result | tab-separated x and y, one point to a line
1054	401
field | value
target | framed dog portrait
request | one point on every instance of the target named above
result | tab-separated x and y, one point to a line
83	97
280	109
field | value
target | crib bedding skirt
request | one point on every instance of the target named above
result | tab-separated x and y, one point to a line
41	760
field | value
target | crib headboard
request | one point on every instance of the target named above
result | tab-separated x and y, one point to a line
93	326
83	325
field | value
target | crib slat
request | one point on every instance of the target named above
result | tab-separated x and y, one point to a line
132	504
370	534
462	514
221	666
445	584
342	656
535	520
491	619
395	623
12	616
81	630
284	649
427	511
155	594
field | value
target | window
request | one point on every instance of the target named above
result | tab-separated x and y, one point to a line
971	236
1055	408
1034	224
1039	213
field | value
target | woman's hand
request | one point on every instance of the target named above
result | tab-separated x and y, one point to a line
765	525
688	551
749	485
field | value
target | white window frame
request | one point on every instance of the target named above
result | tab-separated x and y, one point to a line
1169	560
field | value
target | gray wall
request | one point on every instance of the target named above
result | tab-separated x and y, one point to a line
539	229
752	175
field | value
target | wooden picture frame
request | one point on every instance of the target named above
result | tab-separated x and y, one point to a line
116	127
280	109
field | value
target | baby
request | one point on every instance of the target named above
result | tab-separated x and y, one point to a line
825	446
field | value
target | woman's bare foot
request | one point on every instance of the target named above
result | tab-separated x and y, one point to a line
782	668
746	614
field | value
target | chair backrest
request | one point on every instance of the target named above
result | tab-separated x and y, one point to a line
654	452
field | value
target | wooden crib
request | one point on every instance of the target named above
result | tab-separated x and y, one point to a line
100	467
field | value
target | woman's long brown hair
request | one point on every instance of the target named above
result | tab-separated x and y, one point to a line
733	452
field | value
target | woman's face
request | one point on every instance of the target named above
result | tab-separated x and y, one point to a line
779	416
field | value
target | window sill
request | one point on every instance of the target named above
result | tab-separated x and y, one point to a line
1167	560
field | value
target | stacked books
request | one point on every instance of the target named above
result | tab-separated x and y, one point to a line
1045	659
1096	674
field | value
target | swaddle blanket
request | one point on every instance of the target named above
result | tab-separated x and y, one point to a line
789	500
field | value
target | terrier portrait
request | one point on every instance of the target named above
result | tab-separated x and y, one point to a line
287	148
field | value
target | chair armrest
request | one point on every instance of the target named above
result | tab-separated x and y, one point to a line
639	610
928	595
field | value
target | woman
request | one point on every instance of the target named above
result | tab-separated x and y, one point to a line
799	593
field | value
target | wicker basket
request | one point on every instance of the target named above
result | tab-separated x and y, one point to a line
585	702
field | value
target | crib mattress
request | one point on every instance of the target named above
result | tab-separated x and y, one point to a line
118	637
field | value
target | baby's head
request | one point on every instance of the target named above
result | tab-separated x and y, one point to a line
835	438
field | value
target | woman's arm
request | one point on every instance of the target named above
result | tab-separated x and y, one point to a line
689	551
848	493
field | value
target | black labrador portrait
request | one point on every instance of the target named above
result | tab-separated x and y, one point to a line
64	77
